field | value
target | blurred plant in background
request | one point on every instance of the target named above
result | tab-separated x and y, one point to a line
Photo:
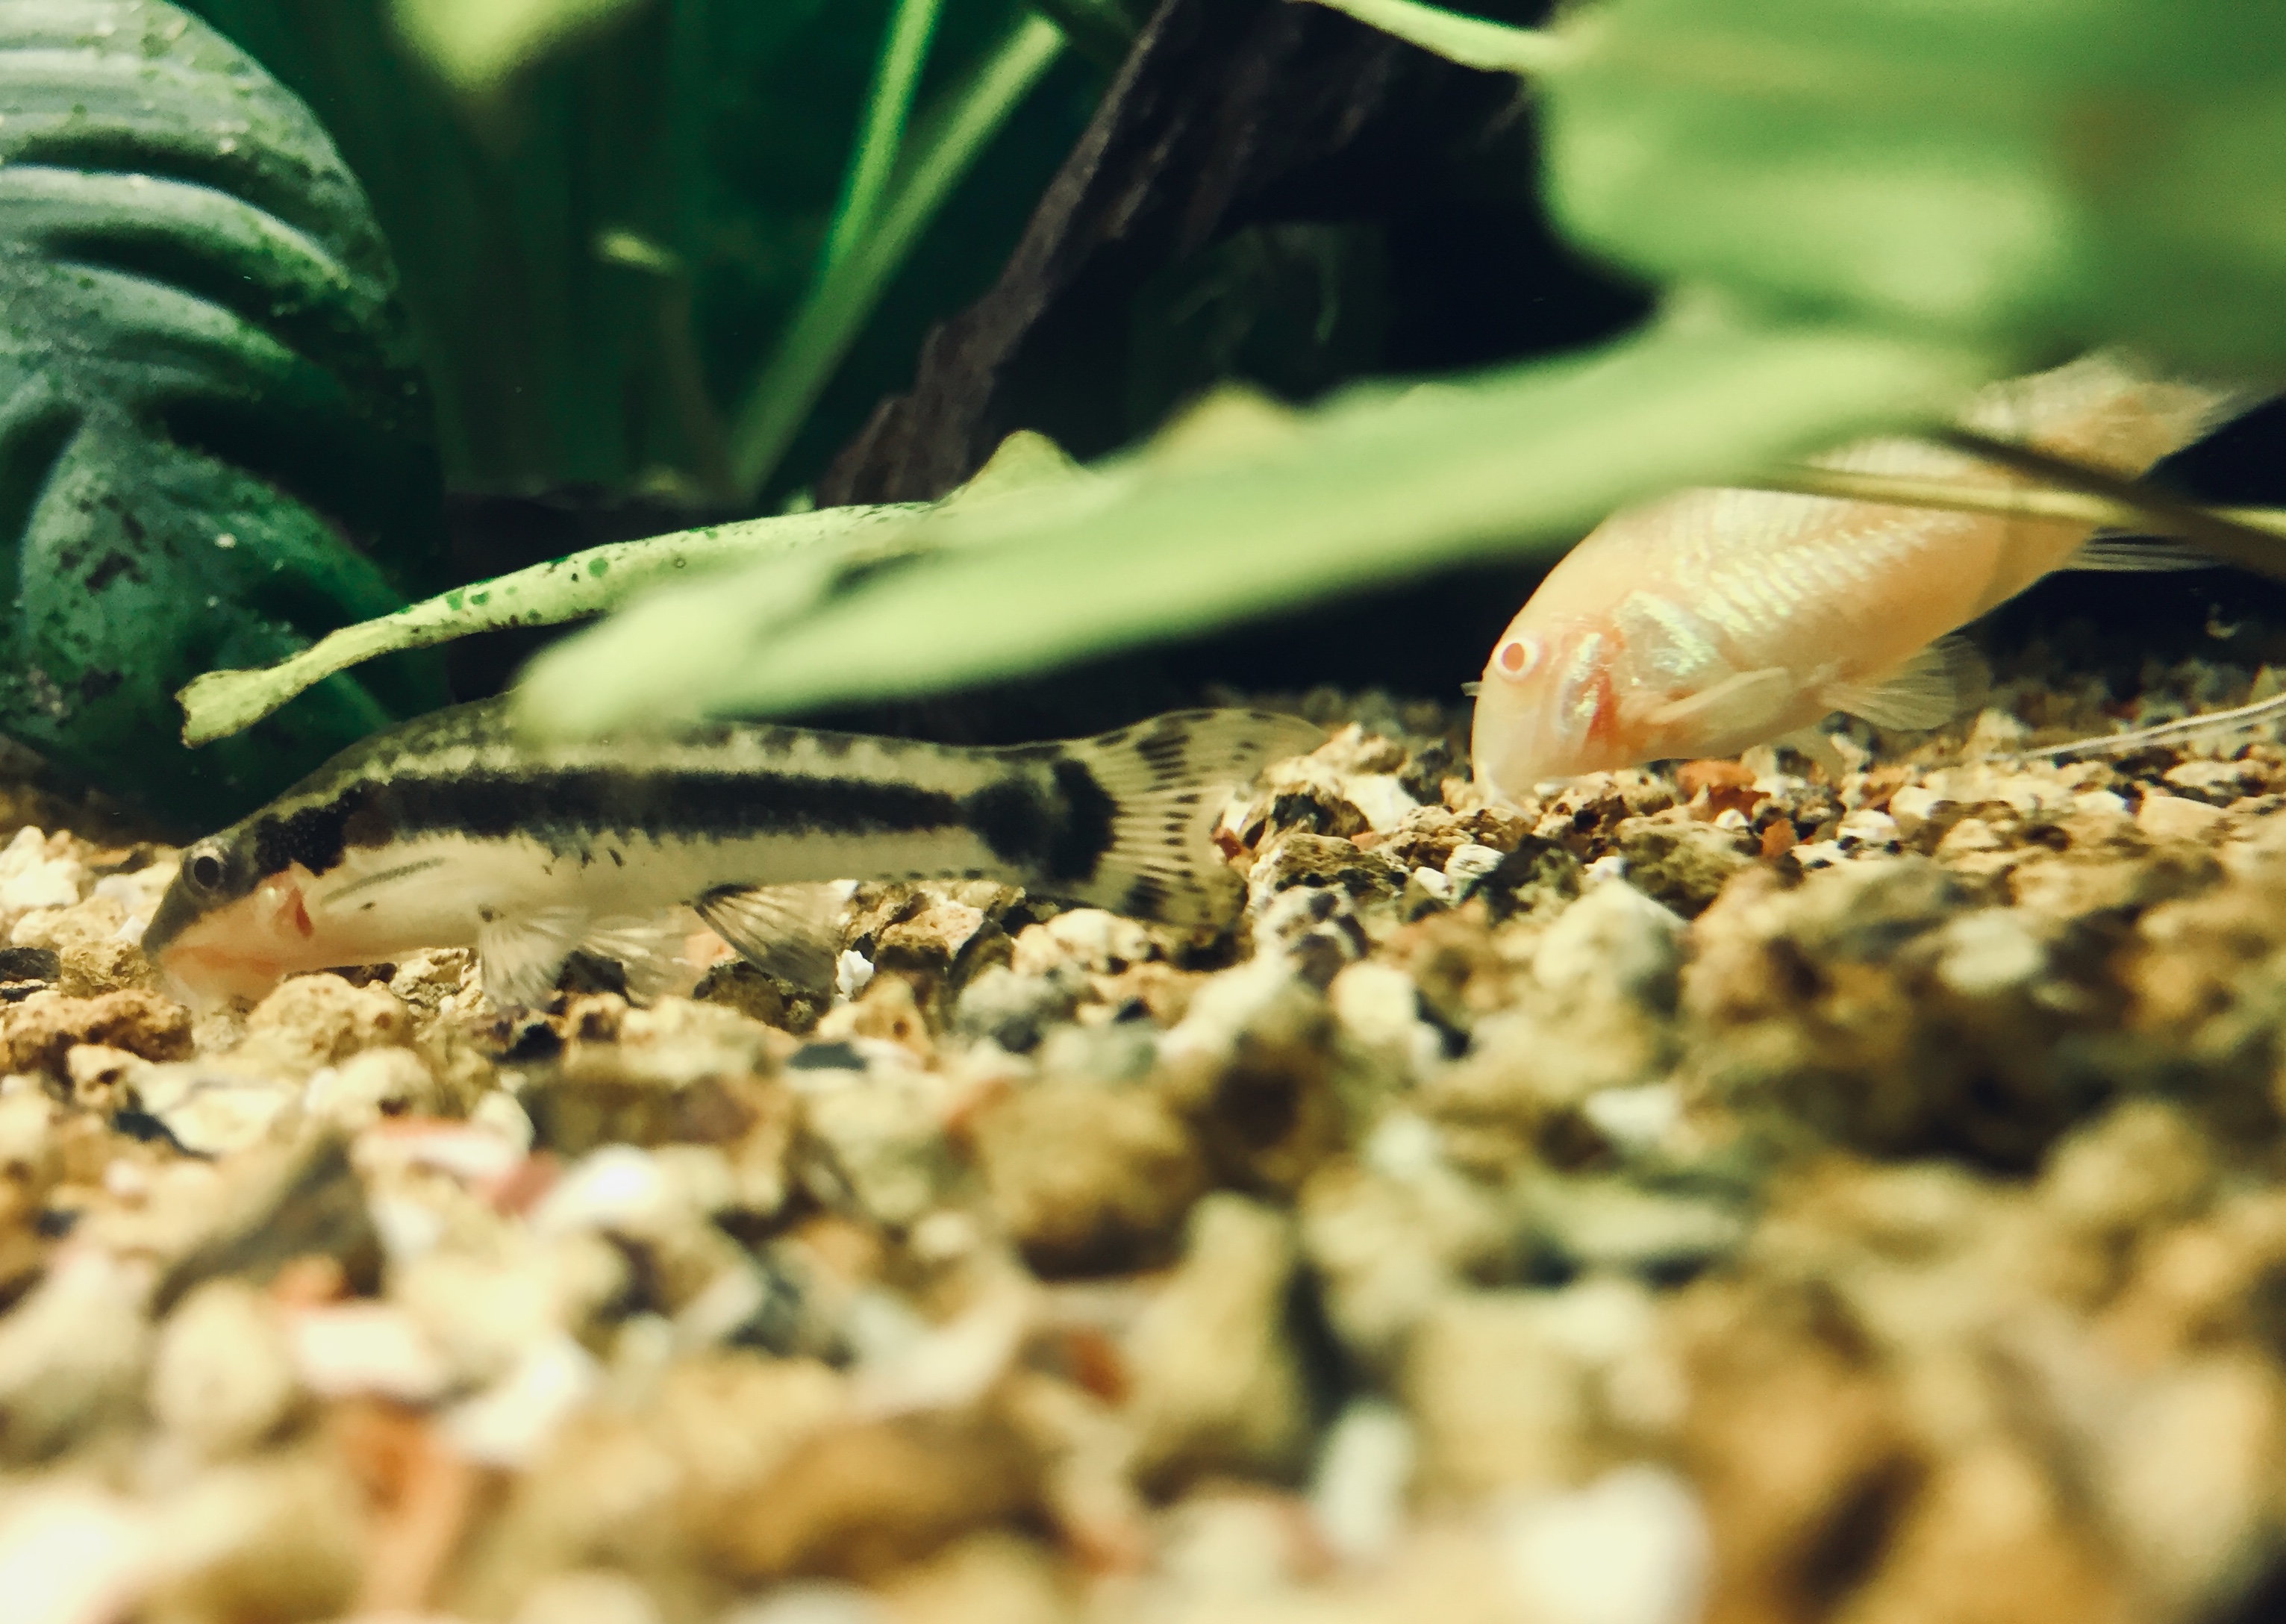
636	236
675	251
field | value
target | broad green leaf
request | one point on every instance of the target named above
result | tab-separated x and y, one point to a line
1235	513
2046	177
209	396
477	43
717	132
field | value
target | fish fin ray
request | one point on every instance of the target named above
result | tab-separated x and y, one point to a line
523	954
1929	690
1169	779
2129	555
2109	408
648	951
790	932
1739	702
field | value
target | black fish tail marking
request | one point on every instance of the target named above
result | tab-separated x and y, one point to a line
1140	807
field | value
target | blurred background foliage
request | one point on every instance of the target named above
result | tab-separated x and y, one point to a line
652	290
605	213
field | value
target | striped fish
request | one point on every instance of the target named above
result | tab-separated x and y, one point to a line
451	831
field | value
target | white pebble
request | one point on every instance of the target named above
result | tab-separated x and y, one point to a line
1988	952
71	1555
350	1348
1915	805
616	1187
510	1423
2175	817
1471	863
1866	830
1381	798
1629	1549
1634	1119
1404	1146
813	1602
222	1380
1359	1495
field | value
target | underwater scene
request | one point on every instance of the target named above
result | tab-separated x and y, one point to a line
1091	812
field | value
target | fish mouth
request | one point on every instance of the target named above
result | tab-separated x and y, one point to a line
1505	749
240	949
203	975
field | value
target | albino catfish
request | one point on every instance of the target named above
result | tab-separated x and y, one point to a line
451	831
1716	619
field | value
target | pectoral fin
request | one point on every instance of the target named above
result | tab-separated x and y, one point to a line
1926	691
648	952
523	954
1741	705
791	932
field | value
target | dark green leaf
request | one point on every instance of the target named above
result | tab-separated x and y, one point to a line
214	445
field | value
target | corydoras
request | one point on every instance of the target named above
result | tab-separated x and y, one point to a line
1716	619
451	831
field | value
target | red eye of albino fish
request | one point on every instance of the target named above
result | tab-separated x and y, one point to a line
1517	656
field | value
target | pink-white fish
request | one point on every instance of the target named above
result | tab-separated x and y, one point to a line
1713	620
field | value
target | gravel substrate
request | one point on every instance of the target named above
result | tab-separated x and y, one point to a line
1699	1194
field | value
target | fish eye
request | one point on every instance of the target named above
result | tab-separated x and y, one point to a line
204	870
1517	656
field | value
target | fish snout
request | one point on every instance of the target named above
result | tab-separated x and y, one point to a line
1538	707
241	948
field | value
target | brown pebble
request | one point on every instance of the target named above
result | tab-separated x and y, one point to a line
310	1022
1693	776
37	1034
1088	1177
1218	1381
92	958
860	1501
420	1498
993	1577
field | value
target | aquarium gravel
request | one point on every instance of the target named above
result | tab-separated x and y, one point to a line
1703	1193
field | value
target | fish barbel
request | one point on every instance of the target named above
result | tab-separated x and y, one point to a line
451	831
1713	620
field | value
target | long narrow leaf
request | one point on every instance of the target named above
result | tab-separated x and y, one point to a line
1365	491
593	582
881	137
1470	41
839	304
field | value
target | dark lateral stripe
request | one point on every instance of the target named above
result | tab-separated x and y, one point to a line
566	809
1058	830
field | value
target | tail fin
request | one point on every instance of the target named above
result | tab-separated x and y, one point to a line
1168	780
2108	410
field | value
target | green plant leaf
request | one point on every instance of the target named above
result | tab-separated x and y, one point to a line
589	582
718	133
474	44
2048	178
210	396
1241	508
841	298
1470	41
